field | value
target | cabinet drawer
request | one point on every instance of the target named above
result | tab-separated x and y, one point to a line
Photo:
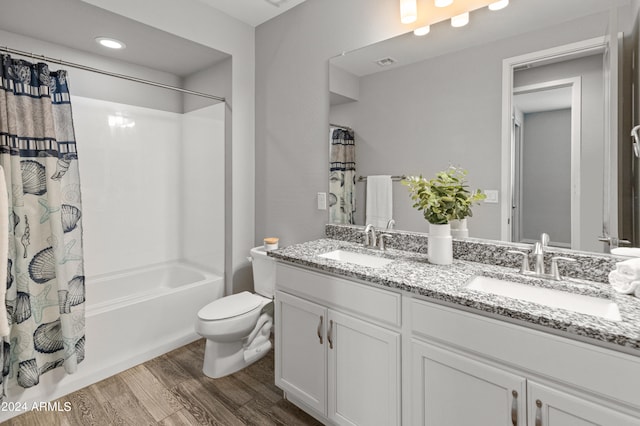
378	305
591	368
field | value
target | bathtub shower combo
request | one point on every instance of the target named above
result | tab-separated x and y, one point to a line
152	176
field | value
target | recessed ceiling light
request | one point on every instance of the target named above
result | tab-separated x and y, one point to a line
111	43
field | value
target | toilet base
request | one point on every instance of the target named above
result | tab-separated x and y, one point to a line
224	358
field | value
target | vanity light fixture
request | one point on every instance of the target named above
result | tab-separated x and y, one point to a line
499	5
443	3
422	31
111	43
460	20
408	11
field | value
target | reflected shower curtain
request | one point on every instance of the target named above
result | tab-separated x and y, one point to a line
342	177
45	275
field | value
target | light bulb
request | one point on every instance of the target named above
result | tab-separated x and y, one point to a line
499	5
422	31
408	11
443	3
111	43
460	20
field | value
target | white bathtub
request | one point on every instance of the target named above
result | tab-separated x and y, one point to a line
131	317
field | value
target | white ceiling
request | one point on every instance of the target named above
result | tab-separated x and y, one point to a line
75	24
147	46
253	12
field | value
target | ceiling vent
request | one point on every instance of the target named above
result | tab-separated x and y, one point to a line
276	3
385	62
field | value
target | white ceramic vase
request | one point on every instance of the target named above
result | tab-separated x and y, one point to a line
440	246
459	228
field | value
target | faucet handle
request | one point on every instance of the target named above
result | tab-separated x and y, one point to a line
365	240
555	273
525	260
381	241
544	239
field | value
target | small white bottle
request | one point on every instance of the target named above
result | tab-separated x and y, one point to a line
271	243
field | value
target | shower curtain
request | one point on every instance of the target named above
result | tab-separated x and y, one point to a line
45	276
342	177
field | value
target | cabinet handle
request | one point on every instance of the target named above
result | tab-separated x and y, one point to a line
320	330
329	332
514	408
538	412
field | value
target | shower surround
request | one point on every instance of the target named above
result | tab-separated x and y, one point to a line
152	175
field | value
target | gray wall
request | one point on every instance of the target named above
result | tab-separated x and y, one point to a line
292	102
292	99
546	176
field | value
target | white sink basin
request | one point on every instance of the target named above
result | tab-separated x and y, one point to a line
357	258
626	251
589	305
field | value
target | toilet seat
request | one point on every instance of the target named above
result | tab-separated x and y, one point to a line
230	306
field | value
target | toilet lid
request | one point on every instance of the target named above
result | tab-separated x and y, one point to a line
230	306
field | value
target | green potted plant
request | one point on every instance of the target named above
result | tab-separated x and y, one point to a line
443	199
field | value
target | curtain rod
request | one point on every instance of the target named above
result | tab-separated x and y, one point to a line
340	126
363	178
108	73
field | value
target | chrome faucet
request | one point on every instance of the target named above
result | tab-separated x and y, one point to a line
538	253
369	242
391	224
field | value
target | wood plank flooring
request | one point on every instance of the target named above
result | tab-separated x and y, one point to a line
172	390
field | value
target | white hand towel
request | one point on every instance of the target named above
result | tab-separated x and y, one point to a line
637	292
4	253
621	284
379	201
629	268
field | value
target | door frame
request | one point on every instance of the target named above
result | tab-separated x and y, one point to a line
509	65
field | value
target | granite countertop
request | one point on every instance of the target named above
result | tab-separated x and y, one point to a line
411	272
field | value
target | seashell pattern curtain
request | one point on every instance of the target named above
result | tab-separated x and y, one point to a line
45	275
342	177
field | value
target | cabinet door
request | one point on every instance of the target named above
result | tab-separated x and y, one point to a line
364	372
449	389
552	407
300	352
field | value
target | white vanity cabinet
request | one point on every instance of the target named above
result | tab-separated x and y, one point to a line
345	350
468	369
301	354
552	407
333	352
452	389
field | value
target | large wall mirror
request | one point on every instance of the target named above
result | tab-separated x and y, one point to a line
531	100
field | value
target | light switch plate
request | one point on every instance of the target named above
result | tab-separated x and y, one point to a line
492	196
322	200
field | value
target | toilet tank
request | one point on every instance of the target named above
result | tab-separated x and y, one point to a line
264	272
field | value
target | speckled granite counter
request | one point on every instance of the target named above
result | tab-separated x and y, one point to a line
411	272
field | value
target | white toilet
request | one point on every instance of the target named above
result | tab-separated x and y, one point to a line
237	327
